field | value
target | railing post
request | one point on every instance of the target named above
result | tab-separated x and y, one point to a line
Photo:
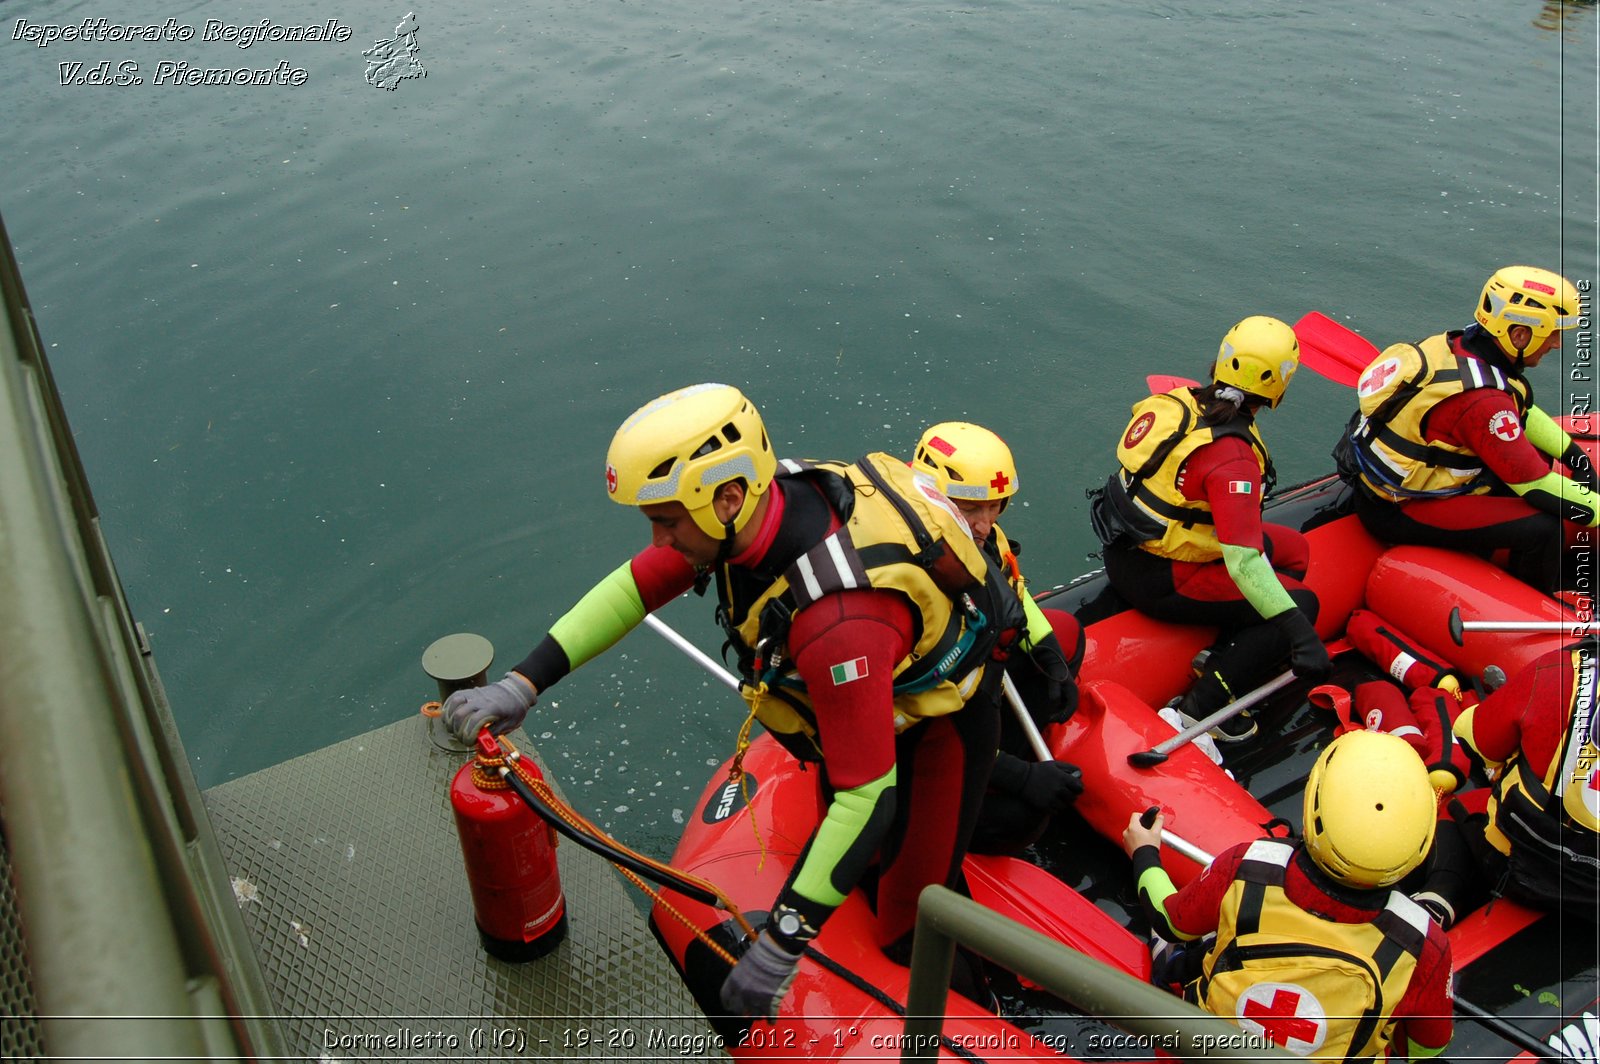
945	918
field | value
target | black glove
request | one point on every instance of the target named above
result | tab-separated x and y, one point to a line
1307	656
1576	459
1048	785
1060	689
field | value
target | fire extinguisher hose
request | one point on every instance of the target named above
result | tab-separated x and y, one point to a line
566	820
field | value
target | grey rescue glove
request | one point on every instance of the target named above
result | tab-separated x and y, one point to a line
759	981
502	705
1307	656
1048	785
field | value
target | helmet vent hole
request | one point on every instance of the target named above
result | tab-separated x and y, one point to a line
730	432
663	469
954	475
713	444
1378	806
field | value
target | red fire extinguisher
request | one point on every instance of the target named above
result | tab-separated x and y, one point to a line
511	859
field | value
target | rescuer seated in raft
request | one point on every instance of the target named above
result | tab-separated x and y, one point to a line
1448	448
1181	523
862	616
1228	940
1530	835
976	471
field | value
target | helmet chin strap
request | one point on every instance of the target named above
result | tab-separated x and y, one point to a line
725	548
1520	359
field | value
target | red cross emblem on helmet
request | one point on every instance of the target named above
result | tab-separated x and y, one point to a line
611	478
1373	378
999	481
1286	1015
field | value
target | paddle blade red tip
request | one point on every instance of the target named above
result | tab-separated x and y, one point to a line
1161	383
1335	351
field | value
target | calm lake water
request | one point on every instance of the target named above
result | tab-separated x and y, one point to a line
343	361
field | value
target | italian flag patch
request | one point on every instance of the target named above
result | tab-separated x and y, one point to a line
1239	487
846	671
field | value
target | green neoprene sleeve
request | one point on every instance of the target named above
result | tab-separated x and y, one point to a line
1563	496
1545	434
848	816
610	610
1256	580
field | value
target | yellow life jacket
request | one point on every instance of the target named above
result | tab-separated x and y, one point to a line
1530	808
1143	501
900	534
1316	987
1397	391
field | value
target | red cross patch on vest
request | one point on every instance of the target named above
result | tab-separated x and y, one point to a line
1373	378
1286	1015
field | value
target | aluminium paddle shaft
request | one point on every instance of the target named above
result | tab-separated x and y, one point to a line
1577	629
706	661
1158	753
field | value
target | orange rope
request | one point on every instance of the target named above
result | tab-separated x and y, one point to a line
736	773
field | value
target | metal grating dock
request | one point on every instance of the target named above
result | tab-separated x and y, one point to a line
349	875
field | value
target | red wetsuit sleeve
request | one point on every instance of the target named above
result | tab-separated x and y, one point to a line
1225	474
1196	908
845	647
1528	714
1485	422
661	574
1425	1009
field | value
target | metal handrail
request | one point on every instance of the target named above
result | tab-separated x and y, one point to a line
135	944
1153	1018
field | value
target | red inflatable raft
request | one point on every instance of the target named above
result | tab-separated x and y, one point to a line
848	999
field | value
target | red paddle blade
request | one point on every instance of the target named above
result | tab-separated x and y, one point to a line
1161	383
1038	900
1334	351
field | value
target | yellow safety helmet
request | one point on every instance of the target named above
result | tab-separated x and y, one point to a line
685	445
1258	356
1369	809
1526	295
967	462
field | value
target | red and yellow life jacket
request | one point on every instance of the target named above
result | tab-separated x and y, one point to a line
1142	502
1397	391
899	534
1316	987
